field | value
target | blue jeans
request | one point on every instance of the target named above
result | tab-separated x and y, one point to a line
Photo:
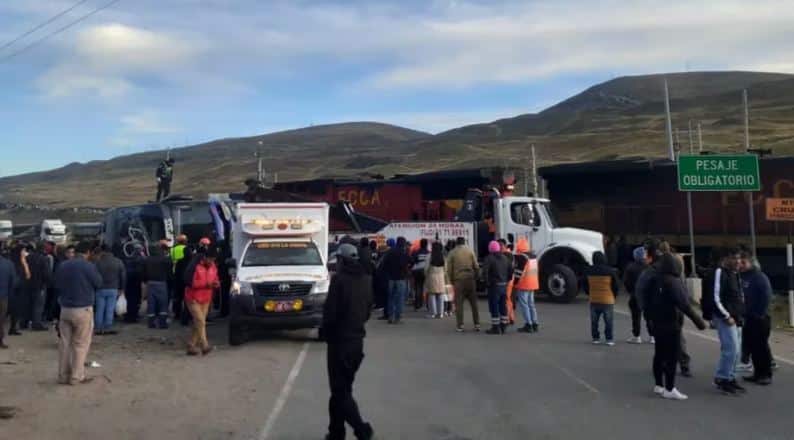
397	291
526	303
157	299
497	304
105	308
596	312
436	302
729	350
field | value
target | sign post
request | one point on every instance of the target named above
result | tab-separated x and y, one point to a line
782	210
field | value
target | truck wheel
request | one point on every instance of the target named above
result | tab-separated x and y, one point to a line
561	284
236	334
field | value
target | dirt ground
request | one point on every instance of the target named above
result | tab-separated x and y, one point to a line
146	386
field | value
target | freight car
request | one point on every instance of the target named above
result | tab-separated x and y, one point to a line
637	198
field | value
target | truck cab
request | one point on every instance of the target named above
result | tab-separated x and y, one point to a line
6	229
53	230
563	253
279	266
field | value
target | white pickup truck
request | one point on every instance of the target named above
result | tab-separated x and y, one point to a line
279	260
563	253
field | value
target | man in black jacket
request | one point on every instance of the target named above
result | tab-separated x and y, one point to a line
758	295
728	313
40	277
345	314
630	277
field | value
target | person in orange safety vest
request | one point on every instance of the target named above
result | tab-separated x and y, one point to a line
525	283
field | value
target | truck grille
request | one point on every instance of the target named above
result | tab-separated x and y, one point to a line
282	289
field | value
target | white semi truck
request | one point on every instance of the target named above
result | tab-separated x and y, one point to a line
6	229
563	253
53	230
279	267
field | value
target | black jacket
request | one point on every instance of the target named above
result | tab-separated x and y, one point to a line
40	272
349	303
157	268
728	297
396	264
631	275
497	269
669	301
757	293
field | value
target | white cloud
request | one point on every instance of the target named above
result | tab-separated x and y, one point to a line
146	122
107	57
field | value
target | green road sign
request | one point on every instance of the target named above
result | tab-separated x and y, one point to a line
719	173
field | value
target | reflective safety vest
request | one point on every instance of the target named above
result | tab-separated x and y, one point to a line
529	278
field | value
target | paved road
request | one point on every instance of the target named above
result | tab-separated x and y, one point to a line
423	381
419	381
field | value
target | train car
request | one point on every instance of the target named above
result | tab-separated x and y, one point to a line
637	198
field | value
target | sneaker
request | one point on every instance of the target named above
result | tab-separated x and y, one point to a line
430	316
764	381
686	372
525	329
634	340
652	340
611	343
658	390
674	395
476	328
3	346
724	387
737	387
459	329
744	368
596	342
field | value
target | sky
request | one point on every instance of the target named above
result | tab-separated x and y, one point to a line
154	74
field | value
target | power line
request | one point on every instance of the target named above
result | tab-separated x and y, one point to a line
57	31
41	25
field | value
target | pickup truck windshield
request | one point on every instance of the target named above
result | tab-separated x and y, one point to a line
282	254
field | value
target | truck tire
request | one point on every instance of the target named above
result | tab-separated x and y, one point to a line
561	284
236	334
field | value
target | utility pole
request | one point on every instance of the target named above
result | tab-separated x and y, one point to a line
746	150
669	120
260	175
700	139
534	173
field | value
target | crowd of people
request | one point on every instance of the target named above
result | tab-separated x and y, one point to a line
80	289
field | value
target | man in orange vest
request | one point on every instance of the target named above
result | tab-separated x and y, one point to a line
525	283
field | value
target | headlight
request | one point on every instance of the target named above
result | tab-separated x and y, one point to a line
241	288
321	287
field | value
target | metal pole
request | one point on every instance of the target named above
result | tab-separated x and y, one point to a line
693	273
670	148
534	173
790	264
700	139
746	148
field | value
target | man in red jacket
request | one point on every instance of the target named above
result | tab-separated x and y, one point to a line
198	297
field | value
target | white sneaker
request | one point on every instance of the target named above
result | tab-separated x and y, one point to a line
744	368
658	390
633	340
674	395
652	340
596	342
611	343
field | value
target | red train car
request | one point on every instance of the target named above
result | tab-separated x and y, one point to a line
429	196
636	198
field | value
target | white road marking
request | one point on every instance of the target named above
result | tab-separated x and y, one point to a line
285	392
578	379
711	338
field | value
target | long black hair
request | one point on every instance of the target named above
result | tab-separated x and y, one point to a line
437	255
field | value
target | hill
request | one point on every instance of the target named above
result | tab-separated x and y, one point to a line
620	117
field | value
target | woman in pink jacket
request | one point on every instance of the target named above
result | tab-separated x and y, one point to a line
197	299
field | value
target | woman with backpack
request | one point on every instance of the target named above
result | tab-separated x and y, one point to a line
435	284
665	304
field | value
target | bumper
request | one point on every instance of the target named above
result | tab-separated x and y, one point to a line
250	310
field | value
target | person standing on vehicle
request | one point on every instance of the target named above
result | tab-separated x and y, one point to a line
728	311
436	280
18	300
666	308
419	264
497	272
757	327
114	280
156	273
77	281
164	175
603	286
525	283
8	281
345	313
462	268
197	300
630	277
397	264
